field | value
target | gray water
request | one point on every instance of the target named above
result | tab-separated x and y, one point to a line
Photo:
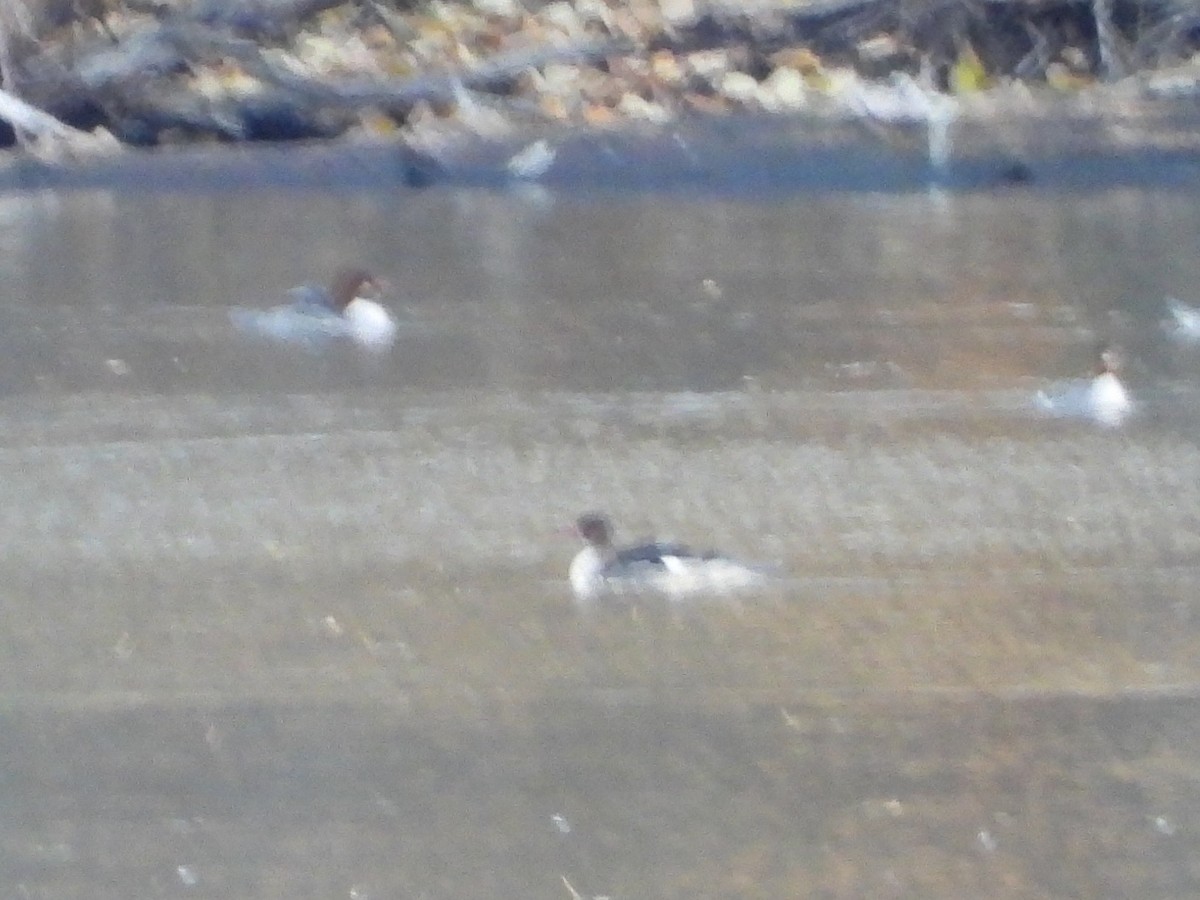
281	622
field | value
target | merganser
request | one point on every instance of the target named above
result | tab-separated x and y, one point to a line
1185	321
1103	399
347	308
600	569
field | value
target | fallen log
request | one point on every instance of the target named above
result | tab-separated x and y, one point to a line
46	137
131	82
156	79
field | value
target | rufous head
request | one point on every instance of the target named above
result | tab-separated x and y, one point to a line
351	282
594	529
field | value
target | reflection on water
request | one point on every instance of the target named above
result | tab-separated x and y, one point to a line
268	607
618	293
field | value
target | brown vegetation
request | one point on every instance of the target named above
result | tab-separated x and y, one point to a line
161	72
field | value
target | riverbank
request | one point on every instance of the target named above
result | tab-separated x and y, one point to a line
1059	145
436	77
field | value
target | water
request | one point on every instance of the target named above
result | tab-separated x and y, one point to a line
286	623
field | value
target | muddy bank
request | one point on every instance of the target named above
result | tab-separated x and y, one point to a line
432	77
1056	148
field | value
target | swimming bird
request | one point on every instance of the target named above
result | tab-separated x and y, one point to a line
348	308
1102	399
600	569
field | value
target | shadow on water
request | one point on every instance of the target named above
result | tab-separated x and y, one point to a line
288	623
734	157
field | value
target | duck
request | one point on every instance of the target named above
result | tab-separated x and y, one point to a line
349	307
1184	324
600	569
1102	399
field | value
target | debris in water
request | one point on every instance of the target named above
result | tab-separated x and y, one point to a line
1184	324
1163	825
533	162
213	738
123	648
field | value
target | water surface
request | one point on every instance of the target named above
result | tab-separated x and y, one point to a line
287	623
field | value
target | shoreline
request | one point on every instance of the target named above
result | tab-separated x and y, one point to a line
450	82
1053	143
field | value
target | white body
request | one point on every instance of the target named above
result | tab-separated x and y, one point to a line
1103	400
369	323
596	573
363	321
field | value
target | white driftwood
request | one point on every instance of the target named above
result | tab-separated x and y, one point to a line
47	137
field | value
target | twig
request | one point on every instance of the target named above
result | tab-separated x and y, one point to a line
407	91
1112	64
575	895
